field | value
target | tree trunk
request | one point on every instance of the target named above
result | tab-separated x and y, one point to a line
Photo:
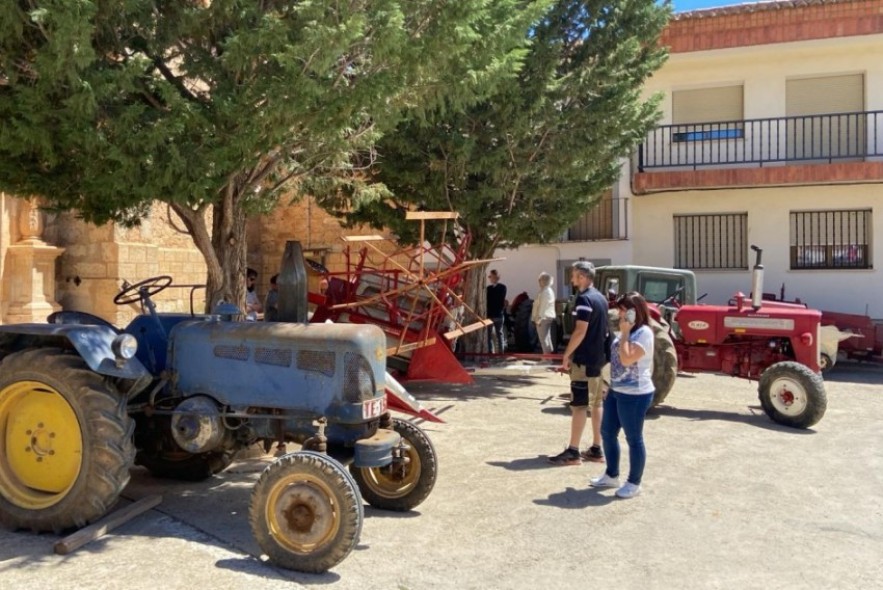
224	248
475	296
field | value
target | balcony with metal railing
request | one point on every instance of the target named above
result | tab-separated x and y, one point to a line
763	152
607	220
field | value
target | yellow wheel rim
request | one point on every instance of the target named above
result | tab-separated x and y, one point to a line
302	513
395	480
41	445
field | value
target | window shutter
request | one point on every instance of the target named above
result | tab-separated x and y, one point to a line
707	105
819	96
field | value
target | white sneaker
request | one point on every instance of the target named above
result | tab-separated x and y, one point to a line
605	481
629	490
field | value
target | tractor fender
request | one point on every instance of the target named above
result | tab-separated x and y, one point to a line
92	343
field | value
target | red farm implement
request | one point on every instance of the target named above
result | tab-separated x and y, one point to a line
414	294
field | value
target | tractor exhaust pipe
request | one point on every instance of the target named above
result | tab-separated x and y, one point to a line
757	280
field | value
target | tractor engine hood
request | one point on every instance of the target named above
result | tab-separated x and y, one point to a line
313	368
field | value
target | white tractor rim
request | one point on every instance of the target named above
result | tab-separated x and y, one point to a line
788	396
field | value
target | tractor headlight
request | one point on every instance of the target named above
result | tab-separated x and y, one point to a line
124	347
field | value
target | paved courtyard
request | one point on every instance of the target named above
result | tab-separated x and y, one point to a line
731	500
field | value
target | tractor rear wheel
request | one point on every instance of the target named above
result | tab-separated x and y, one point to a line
665	357
665	362
401	487
792	395
524	334
306	513
65	442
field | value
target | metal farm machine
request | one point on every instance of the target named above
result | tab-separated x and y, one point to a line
414	294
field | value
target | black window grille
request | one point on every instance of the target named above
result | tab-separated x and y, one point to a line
711	241
607	220
835	239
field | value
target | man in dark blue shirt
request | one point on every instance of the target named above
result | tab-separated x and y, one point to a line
496	304
584	358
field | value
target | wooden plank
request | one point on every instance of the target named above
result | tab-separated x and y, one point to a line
76	540
466	329
409	347
371	238
431	215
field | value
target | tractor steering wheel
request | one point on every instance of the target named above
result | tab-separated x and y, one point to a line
672	299
142	290
317	267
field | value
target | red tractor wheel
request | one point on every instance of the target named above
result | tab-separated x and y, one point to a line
792	395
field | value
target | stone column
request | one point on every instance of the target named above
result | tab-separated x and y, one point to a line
30	269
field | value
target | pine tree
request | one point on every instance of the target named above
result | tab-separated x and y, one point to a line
219	107
524	164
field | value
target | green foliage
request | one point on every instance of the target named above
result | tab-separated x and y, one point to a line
107	105
526	162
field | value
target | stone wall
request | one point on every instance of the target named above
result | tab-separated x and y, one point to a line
97	260
6	229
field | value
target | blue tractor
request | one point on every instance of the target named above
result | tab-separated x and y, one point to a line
81	401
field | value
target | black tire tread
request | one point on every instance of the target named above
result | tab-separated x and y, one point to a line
352	513
817	399
108	449
417	438
665	361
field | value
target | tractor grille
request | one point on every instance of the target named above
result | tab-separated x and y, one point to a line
280	357
236	353
358	382
320	361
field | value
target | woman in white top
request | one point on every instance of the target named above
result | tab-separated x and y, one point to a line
543	312
631	393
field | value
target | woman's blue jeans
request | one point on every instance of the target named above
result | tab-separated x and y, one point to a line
626	412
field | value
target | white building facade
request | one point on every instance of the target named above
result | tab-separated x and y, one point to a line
771	134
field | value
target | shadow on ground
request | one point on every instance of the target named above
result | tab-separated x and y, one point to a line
578	498
756	418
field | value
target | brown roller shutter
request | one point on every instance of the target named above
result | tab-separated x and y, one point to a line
707	105
840	130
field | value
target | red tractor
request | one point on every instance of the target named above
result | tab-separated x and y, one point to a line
748	339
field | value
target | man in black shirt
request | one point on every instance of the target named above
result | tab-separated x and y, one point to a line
496	303
584	358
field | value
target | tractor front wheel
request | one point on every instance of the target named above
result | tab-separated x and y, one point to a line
401	486
306	513
65	442
792	395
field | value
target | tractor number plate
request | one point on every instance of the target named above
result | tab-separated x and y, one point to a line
373	408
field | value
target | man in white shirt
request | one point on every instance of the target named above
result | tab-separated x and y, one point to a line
543	312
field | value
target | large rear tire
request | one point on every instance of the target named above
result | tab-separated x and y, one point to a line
665	357
665	362
65	442
306	513
524	334
792	395
401	487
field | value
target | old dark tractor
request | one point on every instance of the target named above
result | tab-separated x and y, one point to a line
666	289
750	337
82	401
